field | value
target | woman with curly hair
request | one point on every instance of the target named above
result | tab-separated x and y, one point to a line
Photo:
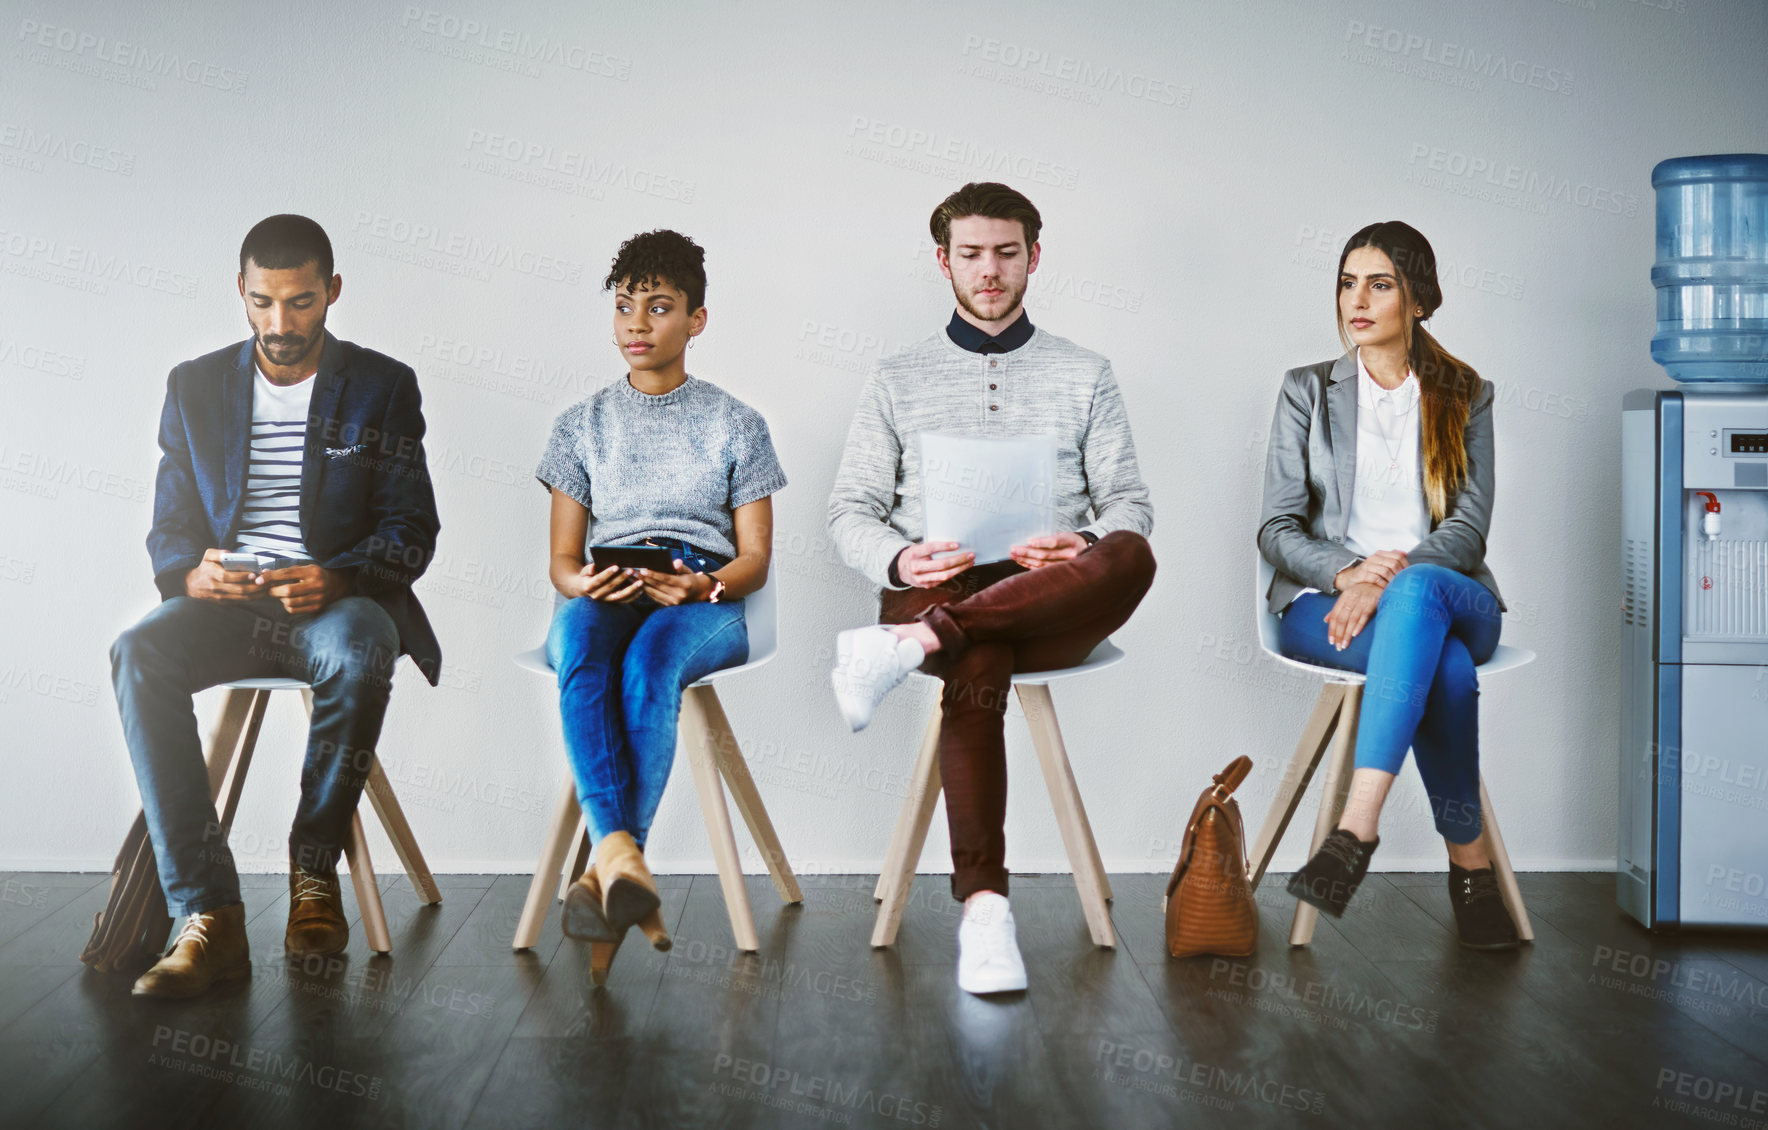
663	458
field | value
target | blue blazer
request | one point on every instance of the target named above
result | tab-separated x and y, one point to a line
366	503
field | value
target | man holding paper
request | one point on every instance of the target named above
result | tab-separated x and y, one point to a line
988	375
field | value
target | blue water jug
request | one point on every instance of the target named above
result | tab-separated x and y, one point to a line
1711	272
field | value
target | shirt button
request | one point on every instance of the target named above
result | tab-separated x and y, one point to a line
994	407
992	363
991	388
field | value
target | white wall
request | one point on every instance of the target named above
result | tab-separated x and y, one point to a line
1193	207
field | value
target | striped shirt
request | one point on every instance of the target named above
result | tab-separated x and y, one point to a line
270	520
1048	385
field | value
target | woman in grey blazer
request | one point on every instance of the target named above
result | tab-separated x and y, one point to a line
1378	495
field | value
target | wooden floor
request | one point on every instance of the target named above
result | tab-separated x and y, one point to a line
1384	1022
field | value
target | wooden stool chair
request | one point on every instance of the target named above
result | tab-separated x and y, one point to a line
1334	722
712	752
912	821
231	745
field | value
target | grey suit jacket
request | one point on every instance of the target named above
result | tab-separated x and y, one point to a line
1310	473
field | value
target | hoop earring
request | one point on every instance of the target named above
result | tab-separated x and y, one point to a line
691	341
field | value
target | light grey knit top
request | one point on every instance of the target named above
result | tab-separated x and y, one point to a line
673	466
1047	385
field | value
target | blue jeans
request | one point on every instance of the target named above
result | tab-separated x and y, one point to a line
622	669
346	651
1418	652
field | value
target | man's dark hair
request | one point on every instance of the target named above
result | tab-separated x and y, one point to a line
985	198
281	242
657	258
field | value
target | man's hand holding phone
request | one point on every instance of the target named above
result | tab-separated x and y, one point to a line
918	566
212	580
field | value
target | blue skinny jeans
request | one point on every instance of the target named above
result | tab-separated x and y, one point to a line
1418	652
621	670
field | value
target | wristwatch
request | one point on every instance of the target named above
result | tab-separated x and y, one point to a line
717	591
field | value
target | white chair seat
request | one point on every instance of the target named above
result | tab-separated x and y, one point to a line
1107	654
269	683
1504	658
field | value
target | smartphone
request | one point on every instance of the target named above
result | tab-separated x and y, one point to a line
242	562
659	558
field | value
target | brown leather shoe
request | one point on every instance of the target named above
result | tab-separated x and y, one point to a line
628	891
317	926
210	949
583	911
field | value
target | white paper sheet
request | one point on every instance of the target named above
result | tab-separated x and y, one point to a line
987	495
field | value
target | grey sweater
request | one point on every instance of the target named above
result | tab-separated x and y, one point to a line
1047	385
671	466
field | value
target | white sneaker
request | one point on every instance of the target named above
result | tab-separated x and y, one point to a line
869	663
988	948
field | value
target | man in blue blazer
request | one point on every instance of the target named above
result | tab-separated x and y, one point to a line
305	455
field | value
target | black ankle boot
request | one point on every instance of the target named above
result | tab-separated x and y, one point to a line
1481	918
1330	878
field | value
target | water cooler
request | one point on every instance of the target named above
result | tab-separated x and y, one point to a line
1693	827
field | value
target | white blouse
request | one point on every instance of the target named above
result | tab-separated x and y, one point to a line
1388	510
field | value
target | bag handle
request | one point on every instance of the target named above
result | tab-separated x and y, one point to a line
1230	778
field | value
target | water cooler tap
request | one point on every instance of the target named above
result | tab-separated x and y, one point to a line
1709	523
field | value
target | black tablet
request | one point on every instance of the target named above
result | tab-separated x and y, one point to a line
658	558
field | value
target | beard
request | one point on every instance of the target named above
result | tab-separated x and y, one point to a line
285	348
1013	298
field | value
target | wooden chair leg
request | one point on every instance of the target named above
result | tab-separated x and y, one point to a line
1494	841
576	858
910	810
368	895
1332	796
566	816
392	817
245	743
698	730
898	874
1314	738
747	798
236	708
1032	709
1071	821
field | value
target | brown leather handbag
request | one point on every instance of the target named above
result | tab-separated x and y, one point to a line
1209	903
